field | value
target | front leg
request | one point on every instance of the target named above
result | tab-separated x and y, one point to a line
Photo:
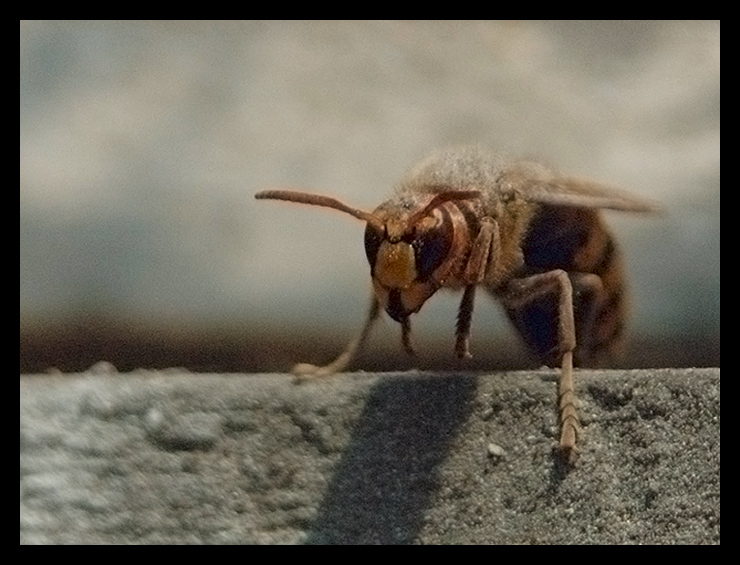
464	318
306	370
485	252
485	247
515	295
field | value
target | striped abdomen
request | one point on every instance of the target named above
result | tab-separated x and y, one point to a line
576	241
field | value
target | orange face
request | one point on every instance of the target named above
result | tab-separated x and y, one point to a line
410	242
403	259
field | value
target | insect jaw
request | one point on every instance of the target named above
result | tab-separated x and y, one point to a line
400	303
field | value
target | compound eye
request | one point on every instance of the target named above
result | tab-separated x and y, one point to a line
430	249
373	238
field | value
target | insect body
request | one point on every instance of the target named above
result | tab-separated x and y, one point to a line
464	218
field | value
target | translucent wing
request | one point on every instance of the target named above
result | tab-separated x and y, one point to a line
585	194
535	184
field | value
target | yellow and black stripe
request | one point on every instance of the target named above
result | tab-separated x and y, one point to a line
577	241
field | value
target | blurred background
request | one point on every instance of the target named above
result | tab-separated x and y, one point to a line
142	144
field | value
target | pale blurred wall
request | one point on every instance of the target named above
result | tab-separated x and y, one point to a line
142	143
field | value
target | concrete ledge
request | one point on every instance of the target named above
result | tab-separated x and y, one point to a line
172	457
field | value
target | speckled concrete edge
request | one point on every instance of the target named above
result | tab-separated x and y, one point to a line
173	457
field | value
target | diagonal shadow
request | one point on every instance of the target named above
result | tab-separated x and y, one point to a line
381	489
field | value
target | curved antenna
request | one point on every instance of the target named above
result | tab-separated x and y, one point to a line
440	199
319	200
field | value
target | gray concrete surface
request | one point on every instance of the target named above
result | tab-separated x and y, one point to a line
173	457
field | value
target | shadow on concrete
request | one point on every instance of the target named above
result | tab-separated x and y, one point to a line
381	489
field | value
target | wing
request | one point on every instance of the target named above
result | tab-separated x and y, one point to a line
586	194
535	184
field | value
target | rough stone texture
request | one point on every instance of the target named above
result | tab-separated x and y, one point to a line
172	457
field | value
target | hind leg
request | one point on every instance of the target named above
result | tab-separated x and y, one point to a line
516	295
